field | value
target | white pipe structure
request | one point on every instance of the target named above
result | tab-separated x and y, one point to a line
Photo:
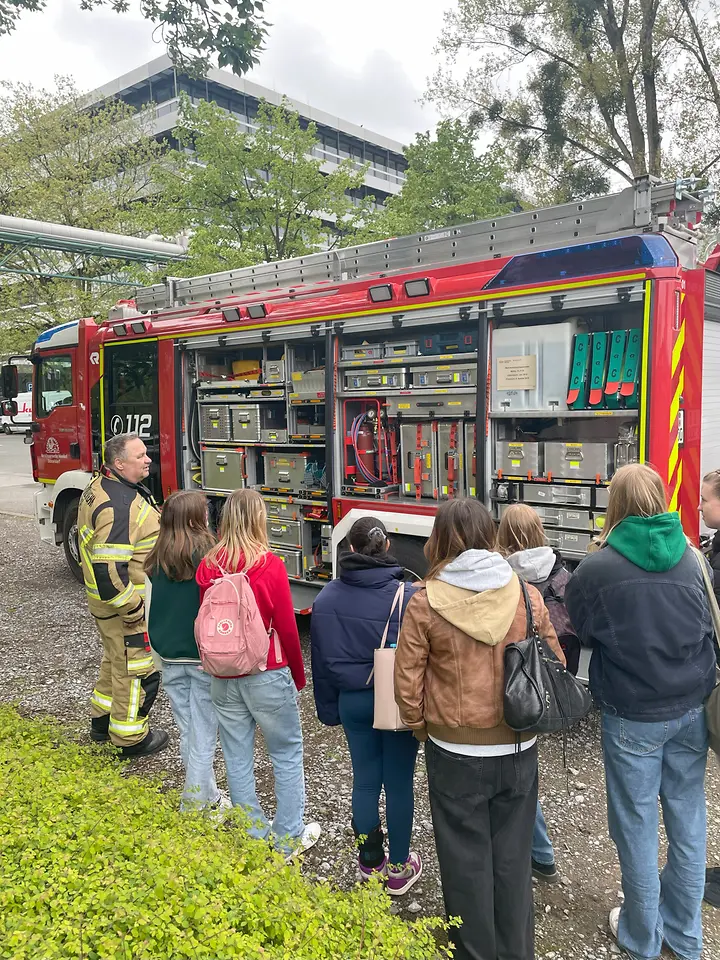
57	236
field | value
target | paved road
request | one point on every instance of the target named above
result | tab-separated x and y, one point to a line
16	483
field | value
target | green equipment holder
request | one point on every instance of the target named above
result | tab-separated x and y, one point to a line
615	369
578	387
629	386
598	369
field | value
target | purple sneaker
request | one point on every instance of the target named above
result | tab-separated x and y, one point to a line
379	871
401	878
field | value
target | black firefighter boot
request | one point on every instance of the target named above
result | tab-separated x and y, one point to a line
371	853
99	729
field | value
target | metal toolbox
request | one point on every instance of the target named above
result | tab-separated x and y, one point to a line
308	383
282	509
569	544
309	430
470	458
223	469
440	406
273	423
274	371
326	543
444	376
579	461
552	517
601	497
274	436
449	341
287	532
246	422
451	462
419	460
559	494
364	351
407	349
286	470
517	458
292	560
214	421
531	367
376	379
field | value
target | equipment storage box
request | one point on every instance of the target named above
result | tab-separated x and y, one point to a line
286	470
274	371
470	458
441	406
558	494
246	422
376	379
364	351
288	533
444	376
407	349
578	461
273	423
282	509
292	560
449	341
451	463
326	543
214	421
517	458
601	497
569	544
419	460
530	367
308	383
223	469
246	372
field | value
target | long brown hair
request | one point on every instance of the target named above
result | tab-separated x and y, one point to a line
184	538
243	532
520	529
636	490
460	525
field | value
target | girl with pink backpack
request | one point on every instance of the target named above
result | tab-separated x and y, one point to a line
267	696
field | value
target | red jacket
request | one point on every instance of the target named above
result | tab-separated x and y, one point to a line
271	587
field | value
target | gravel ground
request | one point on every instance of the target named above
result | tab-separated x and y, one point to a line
50	654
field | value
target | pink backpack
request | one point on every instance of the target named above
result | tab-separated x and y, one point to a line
229	631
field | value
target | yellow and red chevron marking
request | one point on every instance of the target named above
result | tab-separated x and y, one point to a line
677	373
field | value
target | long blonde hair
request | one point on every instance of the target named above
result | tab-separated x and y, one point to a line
636	490
243	532
520	529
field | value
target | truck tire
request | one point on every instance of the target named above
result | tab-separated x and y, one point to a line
70	539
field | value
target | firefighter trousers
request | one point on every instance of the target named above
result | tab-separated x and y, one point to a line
127	685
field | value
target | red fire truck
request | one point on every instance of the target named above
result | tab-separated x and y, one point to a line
517	359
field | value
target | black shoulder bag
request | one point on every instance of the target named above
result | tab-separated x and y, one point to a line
541	696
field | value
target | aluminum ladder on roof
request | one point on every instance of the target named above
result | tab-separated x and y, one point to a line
646	206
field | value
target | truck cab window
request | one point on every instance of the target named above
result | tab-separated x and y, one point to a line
55	388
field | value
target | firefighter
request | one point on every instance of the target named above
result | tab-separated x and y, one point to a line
118	524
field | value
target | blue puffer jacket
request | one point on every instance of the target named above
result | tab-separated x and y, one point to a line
348	619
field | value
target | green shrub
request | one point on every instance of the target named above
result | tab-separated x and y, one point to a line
96	865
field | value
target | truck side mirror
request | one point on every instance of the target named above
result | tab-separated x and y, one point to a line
9	408
9	382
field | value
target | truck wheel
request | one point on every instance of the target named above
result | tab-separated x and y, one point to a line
7	429
70	539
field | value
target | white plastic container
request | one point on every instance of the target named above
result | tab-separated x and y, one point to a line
531	367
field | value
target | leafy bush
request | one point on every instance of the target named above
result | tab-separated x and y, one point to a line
96	865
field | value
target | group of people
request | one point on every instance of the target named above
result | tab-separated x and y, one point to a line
639	602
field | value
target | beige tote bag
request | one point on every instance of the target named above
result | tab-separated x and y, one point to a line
387	715
712	704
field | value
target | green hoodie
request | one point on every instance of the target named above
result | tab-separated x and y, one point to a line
654	543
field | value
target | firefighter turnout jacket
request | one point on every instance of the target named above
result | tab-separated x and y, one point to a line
118	525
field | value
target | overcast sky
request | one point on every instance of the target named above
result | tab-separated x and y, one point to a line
368	66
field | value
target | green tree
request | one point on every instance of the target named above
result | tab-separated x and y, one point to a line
586	94
195	32
62	163
254	197
448	182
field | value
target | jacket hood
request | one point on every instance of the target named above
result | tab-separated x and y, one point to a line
534	565
360	570
655	544
478	593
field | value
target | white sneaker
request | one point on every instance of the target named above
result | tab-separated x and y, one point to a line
614	921
307	839
218	810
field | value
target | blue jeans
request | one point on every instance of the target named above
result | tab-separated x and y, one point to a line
644	761
542	848
267	700
380	758
188	690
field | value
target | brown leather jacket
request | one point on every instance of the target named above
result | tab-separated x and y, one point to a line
448	683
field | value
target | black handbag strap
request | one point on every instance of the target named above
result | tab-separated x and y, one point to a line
531	628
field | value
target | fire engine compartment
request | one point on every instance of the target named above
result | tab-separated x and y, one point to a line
397	419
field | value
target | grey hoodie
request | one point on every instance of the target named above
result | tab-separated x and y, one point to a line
534	565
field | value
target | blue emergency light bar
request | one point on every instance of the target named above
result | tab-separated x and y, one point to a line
602	256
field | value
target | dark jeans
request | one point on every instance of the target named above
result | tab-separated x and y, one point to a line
483	811
380	758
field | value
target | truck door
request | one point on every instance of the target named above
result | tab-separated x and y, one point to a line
131	399
56	448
